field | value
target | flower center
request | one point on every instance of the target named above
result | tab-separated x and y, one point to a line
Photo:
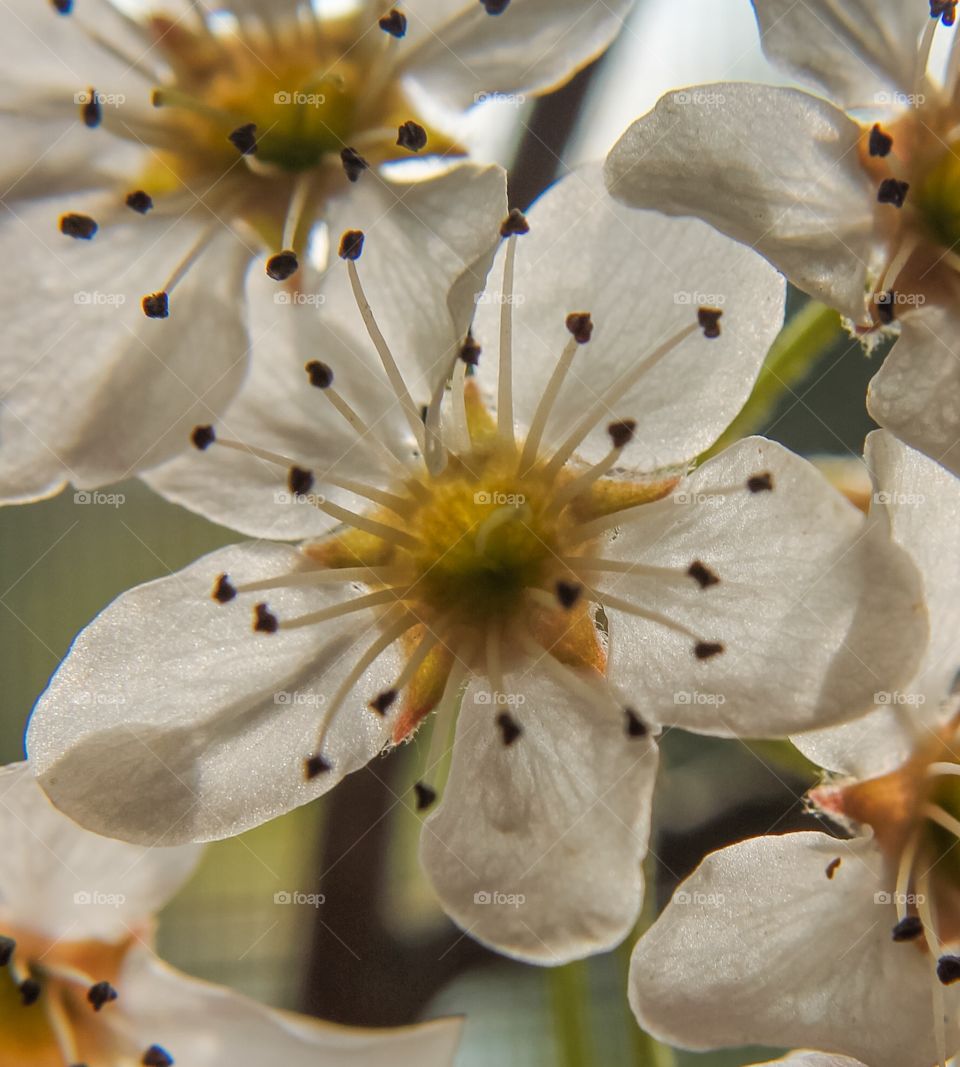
937	198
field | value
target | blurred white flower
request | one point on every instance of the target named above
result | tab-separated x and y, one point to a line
520	530
856	206
844	945
175	146
80	983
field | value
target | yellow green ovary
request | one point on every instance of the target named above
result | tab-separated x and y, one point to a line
937	198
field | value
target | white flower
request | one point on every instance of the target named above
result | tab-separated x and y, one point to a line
547	553
859	213
843	945
175	147
79	982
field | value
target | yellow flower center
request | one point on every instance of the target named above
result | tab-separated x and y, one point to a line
937	198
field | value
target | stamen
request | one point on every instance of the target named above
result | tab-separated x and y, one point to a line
428	642
470	352
319	576
760	483
383	350
702	649
925	909
155	1056
337	611
621	434
495	7
909	928
157	305
243	138
445	716
580	326
425	795
611	395
936	769
458	403
588	563
393	23
505	379
880	143
100	994
7	946
635	727
315	765
139	201
493	659
282	265
62	1026
948	969
224	590
351	244
568	593
80	227
892	191
702	575
30	990
708	319
353	164
384	701
937	9
291	224
510	729
90	110
904	872
434	453
264	621
412	136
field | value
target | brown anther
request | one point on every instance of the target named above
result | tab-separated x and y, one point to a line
707	649
139	201
568	593
321	376
90	110
80	227
709	321
393	23
299	481
760	483
892	191
101	993
29	992
264	620
945	10
880	143
202	437
510	729
425	795
495	7
244	139
635	726
7	946
353	164
64	7
832	867
621	433
515	224
315	765
351	244
412	136
580	325
909	928
702	575
156	305
948	969
886	305
223	589
383	702
155	1056
470	352
282	265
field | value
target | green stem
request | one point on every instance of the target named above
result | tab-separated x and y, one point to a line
569	996
800	346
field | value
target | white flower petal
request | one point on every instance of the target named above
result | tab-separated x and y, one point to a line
532	46
536	847
61	881
641	276
97	392
860	51
812	1059
773	167
923	504
171	721
916	393
760	946
809	634
204	1024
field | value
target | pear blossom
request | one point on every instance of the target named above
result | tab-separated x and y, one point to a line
173	147
79	982
517	549
850	193
845	945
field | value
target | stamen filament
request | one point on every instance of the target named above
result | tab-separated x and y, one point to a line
321	576
61	1025
602	406
428	642
619	604
458	415
386	356
923	60
545	406
943	818
336	611
925	911
493	658
904	872
445	716
301	193
505	378
583	481
196	251
597	695
936	769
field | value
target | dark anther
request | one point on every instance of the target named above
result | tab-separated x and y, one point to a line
299	481
203	437
495	7
353	163
425	795
223	589
510	729
760	483
393	23
707	649
424	412
908	929
568	593
886	304
832	867
282	265
320	374
7	945
635	726
702	574
948	969
945	10
892	191
621	433
90	110
156	305
101	993
412	136
314	766
470	352
351	244
155	1056
383	702
264	620
29	992
82	227
880	142
580	325
139	201
709	321
244	139
514	224
64	7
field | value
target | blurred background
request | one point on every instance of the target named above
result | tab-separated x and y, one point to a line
325	910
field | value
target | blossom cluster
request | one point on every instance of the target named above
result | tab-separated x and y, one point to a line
473	452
